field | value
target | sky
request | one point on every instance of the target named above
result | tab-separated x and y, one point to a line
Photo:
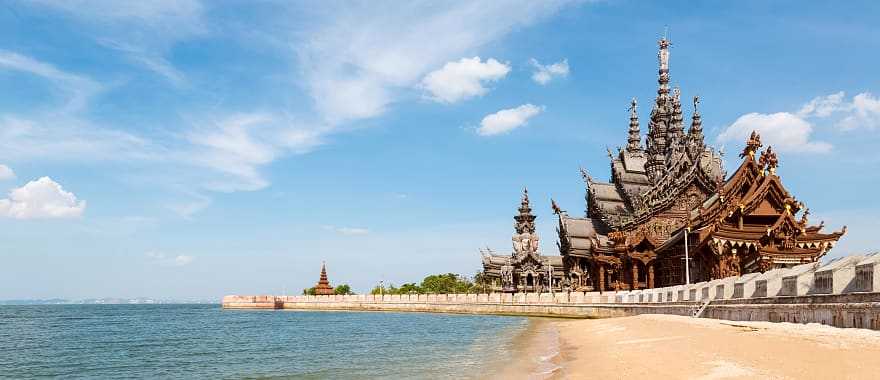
188	149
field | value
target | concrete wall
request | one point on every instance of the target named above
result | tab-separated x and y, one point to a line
843	293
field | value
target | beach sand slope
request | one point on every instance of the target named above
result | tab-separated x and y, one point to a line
674	347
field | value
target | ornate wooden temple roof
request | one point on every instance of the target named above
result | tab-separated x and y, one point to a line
675	183
645	181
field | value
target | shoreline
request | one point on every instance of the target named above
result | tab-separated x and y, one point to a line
534	353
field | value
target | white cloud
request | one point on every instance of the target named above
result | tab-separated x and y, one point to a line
181	260
42	198
6	173
348	231
357	59
166	260
463	79
508	119
784	131
822	106
864	113
543	74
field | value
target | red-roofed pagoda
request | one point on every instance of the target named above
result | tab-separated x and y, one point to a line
323	287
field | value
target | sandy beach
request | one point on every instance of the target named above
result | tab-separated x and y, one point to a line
673	347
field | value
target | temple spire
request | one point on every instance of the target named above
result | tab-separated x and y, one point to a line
675	132
695	133
635	132
663	57
525	221
661	118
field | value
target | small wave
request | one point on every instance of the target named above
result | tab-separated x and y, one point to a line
549	371
546	358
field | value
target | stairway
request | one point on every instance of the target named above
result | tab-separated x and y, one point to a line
698	312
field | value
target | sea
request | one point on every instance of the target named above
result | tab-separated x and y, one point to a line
205	341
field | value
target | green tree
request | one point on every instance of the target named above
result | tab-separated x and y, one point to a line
410	288
390	289
309	291
343	289
446	283
482	284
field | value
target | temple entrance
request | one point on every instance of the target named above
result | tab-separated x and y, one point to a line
530	282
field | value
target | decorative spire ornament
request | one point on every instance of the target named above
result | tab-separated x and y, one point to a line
752	145
695	133
634	142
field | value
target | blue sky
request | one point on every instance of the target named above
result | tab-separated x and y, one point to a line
193	149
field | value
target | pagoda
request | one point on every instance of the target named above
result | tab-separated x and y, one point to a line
323	287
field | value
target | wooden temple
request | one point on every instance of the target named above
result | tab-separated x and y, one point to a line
672	191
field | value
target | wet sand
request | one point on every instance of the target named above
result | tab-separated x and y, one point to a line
535	353
673	347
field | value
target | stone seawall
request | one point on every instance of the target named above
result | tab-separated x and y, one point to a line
851	310
843	293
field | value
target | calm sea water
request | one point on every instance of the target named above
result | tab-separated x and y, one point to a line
204	341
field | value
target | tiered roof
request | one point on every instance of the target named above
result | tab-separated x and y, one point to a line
646	181
754	209
323	287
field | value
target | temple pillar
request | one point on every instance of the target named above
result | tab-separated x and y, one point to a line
635	270
651	276
601	277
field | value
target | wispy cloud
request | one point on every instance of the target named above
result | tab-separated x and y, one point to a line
543	74
348	231
170	260
359	59
234	148
354	61
195	203
507	120
41	199
75	89
143	31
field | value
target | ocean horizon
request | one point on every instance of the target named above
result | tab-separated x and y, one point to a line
205	341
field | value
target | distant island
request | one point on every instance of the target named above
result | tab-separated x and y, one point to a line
105	301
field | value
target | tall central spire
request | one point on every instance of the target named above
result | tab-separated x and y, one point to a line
663	79
661	117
